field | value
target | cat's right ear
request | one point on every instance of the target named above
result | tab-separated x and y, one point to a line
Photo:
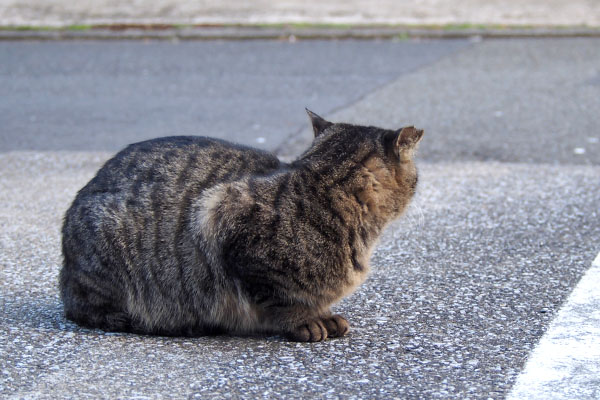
403	142
318	123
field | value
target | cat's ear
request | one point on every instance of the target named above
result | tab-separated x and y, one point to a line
318	123
404	141
409	137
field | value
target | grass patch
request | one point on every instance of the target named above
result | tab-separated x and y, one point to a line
78	27
466	26
26	28
397	31
299	25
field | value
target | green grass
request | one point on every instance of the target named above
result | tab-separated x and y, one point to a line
46	28
307	26
78	27
300	25
461	27
26	28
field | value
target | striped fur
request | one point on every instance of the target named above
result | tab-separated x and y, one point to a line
192	235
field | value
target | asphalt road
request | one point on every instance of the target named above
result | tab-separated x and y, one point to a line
105	95
504	225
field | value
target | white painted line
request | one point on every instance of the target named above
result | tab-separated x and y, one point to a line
566	362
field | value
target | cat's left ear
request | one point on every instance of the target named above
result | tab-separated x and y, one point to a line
318	123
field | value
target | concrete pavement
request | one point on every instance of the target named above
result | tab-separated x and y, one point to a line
354	12
294	19
504	225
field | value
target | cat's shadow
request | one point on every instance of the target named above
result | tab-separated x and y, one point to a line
43	312
46	314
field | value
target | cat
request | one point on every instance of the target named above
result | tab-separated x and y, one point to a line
192	235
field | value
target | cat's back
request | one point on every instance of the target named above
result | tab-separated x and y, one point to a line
179	161
147	188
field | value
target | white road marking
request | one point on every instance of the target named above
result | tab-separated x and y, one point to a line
566	362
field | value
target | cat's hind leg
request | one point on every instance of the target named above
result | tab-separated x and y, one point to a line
102	317
92	306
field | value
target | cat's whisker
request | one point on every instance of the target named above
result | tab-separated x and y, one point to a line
414	216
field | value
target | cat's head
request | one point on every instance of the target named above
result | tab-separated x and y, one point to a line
380	160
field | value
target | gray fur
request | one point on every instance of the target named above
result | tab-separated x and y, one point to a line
192	235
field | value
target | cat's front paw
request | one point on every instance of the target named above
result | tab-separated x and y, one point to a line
312	331
337	326
320	329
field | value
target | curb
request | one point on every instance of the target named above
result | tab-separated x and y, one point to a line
160	32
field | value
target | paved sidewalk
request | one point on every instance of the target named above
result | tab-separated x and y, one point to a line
60	13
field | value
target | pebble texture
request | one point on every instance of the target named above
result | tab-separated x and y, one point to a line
461	290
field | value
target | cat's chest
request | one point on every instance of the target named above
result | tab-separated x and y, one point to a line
357	272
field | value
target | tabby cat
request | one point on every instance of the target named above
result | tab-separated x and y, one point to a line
193	235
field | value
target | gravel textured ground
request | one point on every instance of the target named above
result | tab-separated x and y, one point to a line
462	289
504	225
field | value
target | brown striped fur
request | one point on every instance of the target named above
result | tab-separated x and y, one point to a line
192	235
